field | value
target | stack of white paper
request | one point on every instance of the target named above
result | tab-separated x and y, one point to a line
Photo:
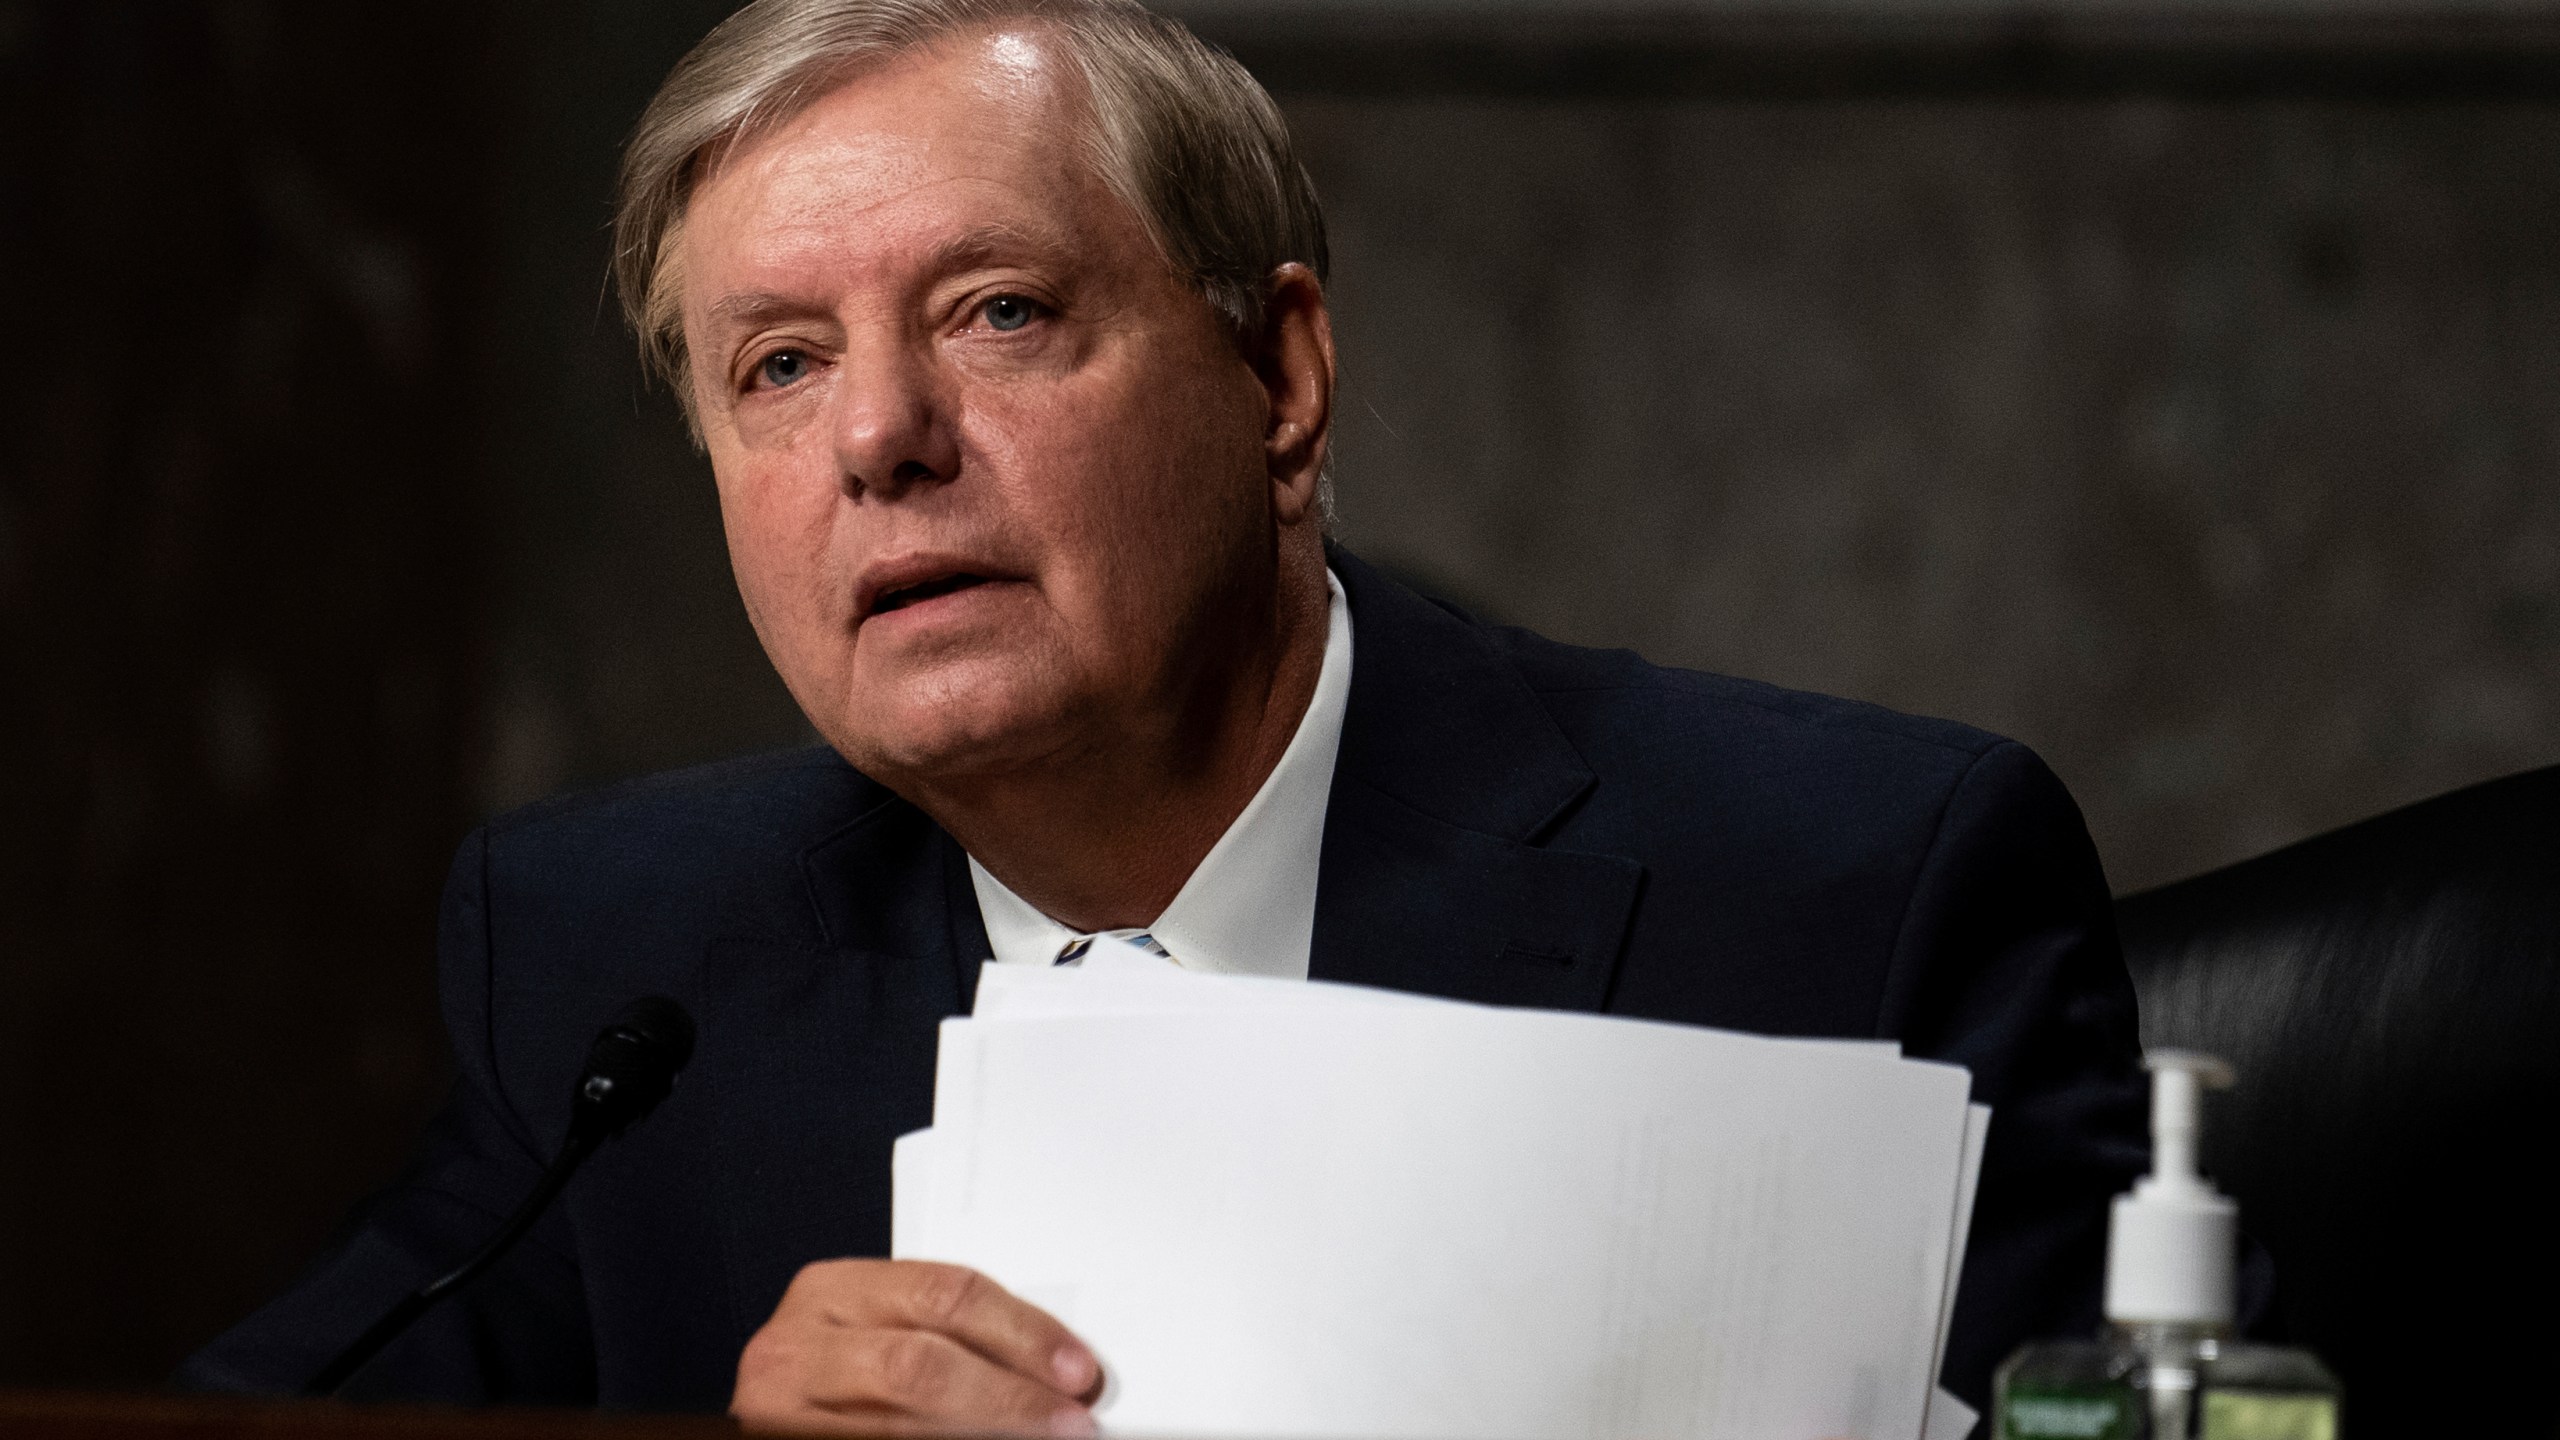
1306	1210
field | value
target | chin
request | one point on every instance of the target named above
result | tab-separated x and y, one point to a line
943	732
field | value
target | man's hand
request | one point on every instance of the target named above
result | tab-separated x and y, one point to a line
870	1346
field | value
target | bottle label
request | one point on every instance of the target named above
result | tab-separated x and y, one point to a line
2244	1415
2096	1412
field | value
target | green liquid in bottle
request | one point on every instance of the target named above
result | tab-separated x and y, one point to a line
2164	1382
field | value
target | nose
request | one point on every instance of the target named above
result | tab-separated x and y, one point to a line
892	426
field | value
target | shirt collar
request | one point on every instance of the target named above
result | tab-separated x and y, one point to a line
1249	907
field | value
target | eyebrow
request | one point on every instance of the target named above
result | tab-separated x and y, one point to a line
972	248
990	244
750	307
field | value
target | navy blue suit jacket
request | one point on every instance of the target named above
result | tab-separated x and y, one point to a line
1512	821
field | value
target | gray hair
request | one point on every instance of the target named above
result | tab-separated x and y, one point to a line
1179	131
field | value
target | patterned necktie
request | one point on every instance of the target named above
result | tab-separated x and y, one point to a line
1074	951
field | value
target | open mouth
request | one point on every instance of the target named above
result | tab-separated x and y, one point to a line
923	590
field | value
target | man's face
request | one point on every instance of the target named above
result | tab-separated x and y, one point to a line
990	471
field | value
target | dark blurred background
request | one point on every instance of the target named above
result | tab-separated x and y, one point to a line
2173	389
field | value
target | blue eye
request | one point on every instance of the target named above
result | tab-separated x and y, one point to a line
1007	312
783	367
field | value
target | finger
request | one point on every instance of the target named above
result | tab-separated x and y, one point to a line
810	1420
959	1302
933	1377
798	1373
853	1420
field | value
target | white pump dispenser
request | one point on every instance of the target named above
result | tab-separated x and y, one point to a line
2173	1240
2167	1366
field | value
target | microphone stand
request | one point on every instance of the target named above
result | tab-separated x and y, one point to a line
414	1304
631	1067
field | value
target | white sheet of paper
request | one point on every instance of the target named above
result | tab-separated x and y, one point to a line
1949	1416
911	1194
1561	1225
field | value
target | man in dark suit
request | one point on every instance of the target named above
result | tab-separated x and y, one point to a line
1006	334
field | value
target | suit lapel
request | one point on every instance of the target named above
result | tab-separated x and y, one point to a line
819	1050
1450	773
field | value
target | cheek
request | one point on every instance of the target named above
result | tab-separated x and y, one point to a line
1078	493
780	524
1126	473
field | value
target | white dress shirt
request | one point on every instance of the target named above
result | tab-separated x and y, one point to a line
1250	906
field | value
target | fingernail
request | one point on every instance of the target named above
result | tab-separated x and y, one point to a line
1076	1369
1073	1423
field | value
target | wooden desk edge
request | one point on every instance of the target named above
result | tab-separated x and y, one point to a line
77	1415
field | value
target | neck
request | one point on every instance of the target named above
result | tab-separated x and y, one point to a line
1104	838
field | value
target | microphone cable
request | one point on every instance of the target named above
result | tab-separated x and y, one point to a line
630	1068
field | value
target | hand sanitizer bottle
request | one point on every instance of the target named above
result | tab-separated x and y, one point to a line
2167	1367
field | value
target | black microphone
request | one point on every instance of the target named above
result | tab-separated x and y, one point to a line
630	1068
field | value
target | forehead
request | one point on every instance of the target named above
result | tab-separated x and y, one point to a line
979	135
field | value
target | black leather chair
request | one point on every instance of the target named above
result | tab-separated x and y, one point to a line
2390	994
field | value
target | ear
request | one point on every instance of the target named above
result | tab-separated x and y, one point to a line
1294	362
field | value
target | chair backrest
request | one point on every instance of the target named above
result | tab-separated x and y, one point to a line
2390	994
